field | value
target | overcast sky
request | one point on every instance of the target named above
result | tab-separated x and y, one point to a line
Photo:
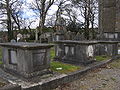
29	14
32	16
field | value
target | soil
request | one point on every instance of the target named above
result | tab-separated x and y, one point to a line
105	78
2	82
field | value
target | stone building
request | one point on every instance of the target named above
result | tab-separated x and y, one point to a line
118	15
109	19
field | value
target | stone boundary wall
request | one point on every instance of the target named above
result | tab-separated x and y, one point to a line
54	83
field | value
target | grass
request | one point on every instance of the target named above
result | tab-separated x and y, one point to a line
114	79
115	64
102	58
63	68
59	66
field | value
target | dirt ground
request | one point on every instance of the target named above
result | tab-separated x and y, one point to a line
2	82
107	78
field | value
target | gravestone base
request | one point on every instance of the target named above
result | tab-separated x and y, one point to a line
26	76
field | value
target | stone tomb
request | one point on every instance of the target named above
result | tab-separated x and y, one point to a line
109	48
75	51
26	59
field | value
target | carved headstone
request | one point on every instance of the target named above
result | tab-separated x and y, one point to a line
69	35
79	37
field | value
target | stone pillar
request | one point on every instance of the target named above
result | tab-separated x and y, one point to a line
107	19
36	35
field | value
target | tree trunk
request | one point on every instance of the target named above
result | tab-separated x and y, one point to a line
9	22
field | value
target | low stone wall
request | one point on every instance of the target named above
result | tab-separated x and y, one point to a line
60	80
11	87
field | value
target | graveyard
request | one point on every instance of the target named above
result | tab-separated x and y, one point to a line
64	60
61	71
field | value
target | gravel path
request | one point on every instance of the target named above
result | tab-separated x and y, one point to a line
107	78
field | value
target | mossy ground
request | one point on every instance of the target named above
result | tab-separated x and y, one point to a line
115	64
63	68
59	66
52	53
102	58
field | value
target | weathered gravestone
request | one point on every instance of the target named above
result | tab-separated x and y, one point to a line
108	48
79	37
13	41
58	36
46	37
69	35
26	59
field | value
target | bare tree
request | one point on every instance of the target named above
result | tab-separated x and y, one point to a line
9	15
88	10
42	7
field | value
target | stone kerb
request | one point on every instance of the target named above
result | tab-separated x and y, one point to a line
77	52
11	87
26	59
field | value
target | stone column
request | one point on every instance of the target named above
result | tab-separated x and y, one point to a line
36	35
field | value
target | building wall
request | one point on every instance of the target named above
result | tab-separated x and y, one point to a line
107	15
117	16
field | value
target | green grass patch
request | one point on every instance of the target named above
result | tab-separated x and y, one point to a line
52	53
63	68
114	79
115	64
102	58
